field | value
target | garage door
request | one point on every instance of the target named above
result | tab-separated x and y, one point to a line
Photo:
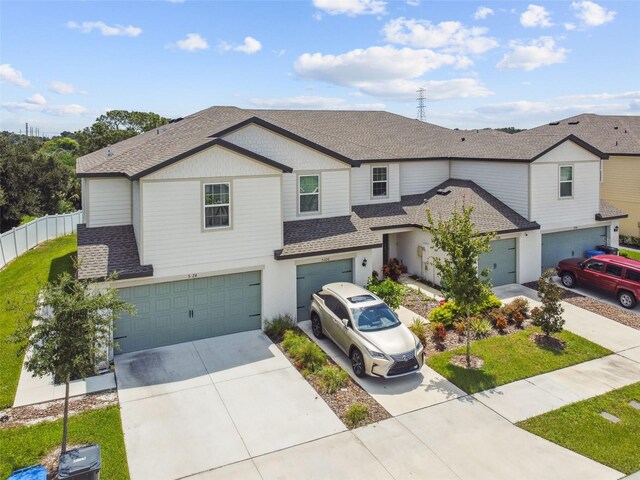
572	243
311	278
186	310
501	261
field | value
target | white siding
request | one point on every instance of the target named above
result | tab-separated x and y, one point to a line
109	201
281	149
216	161
420	177
361	184
334	195
135	210
174	241
567	152
508	182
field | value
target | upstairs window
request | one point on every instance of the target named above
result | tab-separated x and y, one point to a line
309	193
217	205
379	182
566	181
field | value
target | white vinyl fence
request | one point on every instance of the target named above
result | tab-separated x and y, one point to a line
23	238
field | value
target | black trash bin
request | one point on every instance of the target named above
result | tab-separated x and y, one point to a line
81	463
608	249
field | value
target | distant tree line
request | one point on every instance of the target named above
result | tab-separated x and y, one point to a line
37	177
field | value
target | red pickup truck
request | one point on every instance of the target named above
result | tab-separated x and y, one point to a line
614	274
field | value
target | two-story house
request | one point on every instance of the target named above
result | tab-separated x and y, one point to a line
228	217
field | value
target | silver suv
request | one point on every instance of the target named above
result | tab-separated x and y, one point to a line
366	329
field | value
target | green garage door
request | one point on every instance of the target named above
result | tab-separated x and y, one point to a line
572	243
501	260
186	310
311	278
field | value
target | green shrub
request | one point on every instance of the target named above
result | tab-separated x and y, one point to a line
480	327
356	414
293	342
460	327
311	356
390	292
490	303
630	241
446	314
332	378
277	326
393	269
419	329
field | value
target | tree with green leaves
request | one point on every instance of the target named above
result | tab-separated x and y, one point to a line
549	316
457	237
71	332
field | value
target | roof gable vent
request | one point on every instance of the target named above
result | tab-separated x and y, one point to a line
443	191
554	123
575	122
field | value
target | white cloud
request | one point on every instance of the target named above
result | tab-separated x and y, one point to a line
591	14
482	13
63	88
405	90
413	3
536	16
175	1
633	94
36	99
351	7
568	26
538	53
317	102
104	29
250	46
192	42
11	75
449	36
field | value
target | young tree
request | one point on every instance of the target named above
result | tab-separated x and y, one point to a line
69	334
462	244
549	317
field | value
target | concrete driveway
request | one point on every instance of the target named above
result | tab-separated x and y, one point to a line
200	405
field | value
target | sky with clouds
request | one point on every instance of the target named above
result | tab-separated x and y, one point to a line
481	63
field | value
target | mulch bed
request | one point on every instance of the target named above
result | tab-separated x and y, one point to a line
418	302
49	411
617	314
340	401
548	342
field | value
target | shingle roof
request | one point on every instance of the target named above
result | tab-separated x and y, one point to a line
489	213
611	134
105	250
325	235
358	136
609	212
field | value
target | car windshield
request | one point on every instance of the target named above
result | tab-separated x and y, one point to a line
374	318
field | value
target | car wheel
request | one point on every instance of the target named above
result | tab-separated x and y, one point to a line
568	280
357	362
316	326
626	299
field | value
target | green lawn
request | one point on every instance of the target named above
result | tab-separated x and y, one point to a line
20	282
513	357
630	253
24	446
579	427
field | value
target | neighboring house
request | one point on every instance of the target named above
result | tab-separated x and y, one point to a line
619	137
228	217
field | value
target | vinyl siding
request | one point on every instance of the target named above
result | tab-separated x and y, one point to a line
172	225
109	202
420	177
361	184
334	195
508	182
135	210
621	188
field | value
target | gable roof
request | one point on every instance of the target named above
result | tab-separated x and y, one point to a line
353	137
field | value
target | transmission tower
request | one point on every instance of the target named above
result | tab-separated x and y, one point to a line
422	107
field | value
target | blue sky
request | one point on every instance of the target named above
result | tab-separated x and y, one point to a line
482	63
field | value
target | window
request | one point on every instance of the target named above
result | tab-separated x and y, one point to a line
566	181
594	266
614	270
633	275
309	193
379	181
217	205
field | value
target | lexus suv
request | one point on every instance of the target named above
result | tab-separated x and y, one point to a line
614	274
366	329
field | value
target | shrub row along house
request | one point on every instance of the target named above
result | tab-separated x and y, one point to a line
229	216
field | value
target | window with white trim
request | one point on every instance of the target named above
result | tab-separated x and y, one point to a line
379	181
566	181
217	205
309	193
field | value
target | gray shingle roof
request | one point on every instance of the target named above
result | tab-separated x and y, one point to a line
356	135
489	213
105	250
609	212
611	134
